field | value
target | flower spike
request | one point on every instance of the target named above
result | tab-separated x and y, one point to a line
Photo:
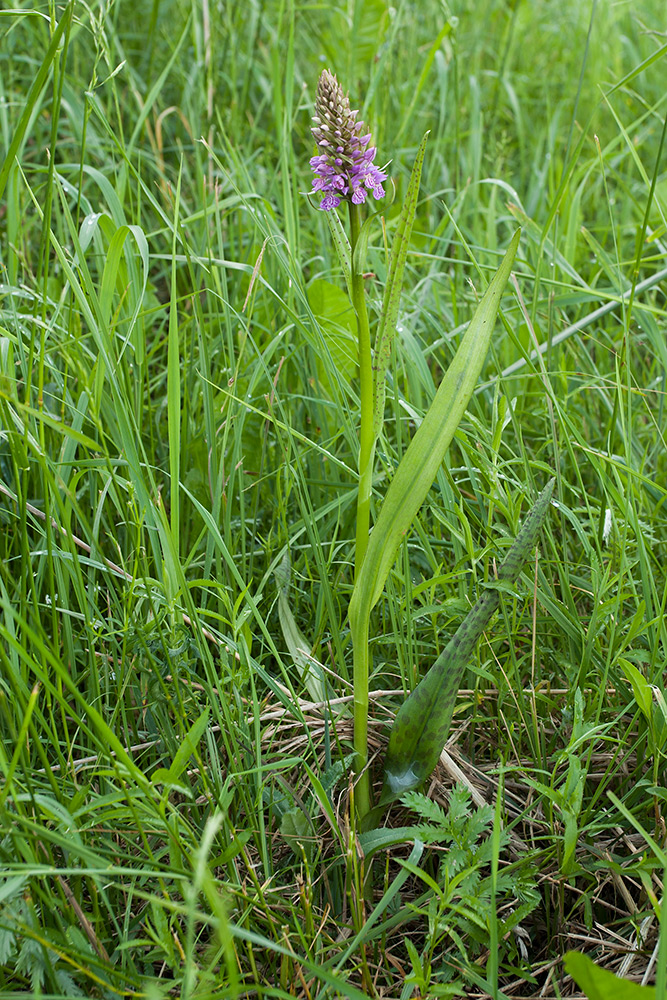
343	168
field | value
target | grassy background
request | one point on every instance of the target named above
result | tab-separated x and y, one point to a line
174	815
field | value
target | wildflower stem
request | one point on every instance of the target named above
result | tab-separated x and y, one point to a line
366	457
366	435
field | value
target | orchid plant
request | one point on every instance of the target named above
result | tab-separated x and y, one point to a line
345	171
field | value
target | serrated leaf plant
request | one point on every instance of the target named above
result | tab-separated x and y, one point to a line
345	171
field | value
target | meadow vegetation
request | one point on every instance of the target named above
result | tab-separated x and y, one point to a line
178	478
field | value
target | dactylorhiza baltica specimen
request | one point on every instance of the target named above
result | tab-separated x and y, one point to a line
344	171
343	168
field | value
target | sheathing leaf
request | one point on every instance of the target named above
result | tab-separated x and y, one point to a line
419	466
420	730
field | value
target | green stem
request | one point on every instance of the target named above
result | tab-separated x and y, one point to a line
366	435
366	462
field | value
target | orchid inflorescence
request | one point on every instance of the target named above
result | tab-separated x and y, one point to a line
344	168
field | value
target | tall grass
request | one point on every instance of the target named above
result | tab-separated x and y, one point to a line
178	412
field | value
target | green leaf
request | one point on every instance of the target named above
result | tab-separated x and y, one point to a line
297	831
372	841
33	94
422	724
426	451
189	744
570	839
392	292
174	403
436	47
338	324
117	277
598	984
641	688
296	642
361	247
342	245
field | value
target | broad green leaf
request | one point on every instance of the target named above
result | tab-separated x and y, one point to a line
570	840
420	730
659	721
571	795
338	323
599	984
421	462
297	830
392	291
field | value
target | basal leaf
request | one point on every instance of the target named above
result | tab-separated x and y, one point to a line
422	724
392	292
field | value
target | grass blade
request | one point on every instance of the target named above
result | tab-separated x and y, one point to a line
185	751
33	95
296	641
392	292
174	415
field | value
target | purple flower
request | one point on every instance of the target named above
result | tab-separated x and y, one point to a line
343	168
